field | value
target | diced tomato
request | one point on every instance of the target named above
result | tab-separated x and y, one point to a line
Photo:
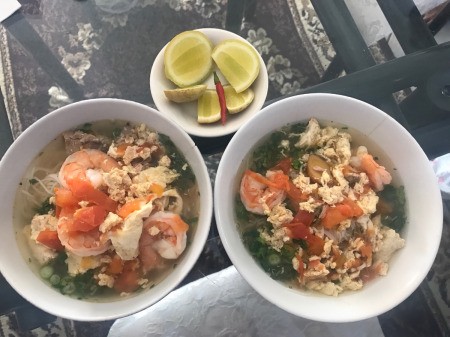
50	239
301	267
356	210
304	217
128	280
335	215
83	190
366	250
87	218
315	244
65	198
67	211
283	165
297	230
340	212
115	267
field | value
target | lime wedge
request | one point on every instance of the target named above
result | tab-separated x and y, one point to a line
187	58
236	102
208	109
188	94
238	61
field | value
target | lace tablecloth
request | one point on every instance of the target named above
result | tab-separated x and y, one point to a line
223	304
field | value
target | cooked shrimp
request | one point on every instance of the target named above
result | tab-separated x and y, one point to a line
256	191
86	242
81	172
149	257
87	164
377	174
169	233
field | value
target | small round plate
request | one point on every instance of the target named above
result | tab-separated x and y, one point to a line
185	114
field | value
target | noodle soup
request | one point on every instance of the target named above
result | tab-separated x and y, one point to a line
106	209
316	210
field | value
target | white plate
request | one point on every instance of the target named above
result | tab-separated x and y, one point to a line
185	114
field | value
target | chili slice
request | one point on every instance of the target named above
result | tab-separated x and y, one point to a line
221	94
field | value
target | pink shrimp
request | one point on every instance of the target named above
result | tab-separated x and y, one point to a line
377	174
256	191
87	164
165	234
86	242
81	172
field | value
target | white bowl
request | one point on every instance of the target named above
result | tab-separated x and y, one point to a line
27	146
422	232
185	114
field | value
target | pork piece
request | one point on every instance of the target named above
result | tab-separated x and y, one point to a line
78	140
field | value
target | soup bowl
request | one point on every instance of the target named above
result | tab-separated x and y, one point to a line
396	149
14	264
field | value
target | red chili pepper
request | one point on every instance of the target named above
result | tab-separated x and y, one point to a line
221	94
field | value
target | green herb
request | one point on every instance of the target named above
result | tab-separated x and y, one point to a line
395	197
86	127
116	132
179	164
46	207
33	181
277	264
79	286
241	213
297	164
267	155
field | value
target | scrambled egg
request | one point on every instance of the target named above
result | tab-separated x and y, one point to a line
356	243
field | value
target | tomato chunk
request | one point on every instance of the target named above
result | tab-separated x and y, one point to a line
304	217
315	244
335	215
65	198
128	280
284	165
50	239
87	218
297	230
83	190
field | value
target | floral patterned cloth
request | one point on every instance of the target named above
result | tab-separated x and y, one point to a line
108	48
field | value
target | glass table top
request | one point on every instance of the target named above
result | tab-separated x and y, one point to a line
55	52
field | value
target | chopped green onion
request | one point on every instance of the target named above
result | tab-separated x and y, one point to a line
46	272
69	288
273	259
55	279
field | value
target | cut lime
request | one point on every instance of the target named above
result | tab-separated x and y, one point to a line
187	94
236	102
238	61
187	58
208	109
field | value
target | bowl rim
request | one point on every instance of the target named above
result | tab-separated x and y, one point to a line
248	267
60	119
215	129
